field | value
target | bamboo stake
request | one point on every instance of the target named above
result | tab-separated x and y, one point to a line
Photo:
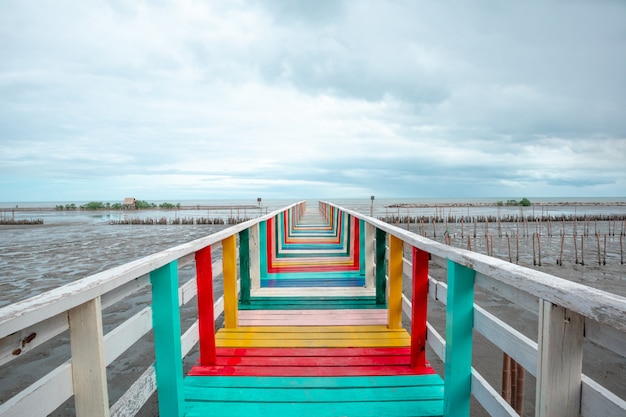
604	256
508	241
539	248
582	249
576	248
560	261
599	255
517	248
513	376
469	243
519	397
534	256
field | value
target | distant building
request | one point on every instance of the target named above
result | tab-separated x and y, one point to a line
129	203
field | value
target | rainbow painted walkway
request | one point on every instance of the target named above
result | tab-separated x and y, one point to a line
309	336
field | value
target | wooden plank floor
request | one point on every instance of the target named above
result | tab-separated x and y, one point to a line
312	351
393	396
294	363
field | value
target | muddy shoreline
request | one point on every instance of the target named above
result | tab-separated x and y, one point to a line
34	259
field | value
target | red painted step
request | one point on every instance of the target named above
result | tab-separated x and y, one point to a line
311	362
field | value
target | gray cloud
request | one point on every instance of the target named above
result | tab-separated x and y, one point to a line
312	98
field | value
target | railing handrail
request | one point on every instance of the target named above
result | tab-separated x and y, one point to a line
25	313
599	305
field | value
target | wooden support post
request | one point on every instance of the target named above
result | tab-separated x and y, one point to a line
459	325
206	315
506	378
229	262
560	357
381	267
166	324
394	310
362	251
255	261
263	249
244	266
519	397
420	308
370	255
88	367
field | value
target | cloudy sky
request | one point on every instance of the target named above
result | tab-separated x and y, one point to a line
283	99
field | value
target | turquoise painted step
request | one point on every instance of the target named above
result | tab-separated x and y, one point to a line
310	303
393	396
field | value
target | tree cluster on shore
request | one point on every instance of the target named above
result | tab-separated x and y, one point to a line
523	202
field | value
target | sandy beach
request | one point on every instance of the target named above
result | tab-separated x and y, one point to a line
38	258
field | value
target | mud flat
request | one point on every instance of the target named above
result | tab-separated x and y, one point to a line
36	259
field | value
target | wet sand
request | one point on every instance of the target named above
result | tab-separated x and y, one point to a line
39	258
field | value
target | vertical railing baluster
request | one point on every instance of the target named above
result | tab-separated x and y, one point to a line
244	266
394	309
370	255
166	324
419	308
263	252
229	261
559	367
255	261
362	250
88	366
381	267
459	325
206	314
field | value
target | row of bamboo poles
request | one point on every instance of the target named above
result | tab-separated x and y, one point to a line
22	222
523	224
536	245
180	221
580	238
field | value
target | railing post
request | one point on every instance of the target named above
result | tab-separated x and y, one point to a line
459	325
370	255
88	366
206	314
381	266
263	250
362	250
394	310
419	308
166	324
255	262
559	364
229	261
244	266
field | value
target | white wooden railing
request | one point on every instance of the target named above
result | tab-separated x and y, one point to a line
568	314
77	307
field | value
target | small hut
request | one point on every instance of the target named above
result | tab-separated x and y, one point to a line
129	203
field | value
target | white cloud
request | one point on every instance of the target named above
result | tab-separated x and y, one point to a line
317	98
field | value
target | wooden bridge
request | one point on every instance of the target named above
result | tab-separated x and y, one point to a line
324	314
